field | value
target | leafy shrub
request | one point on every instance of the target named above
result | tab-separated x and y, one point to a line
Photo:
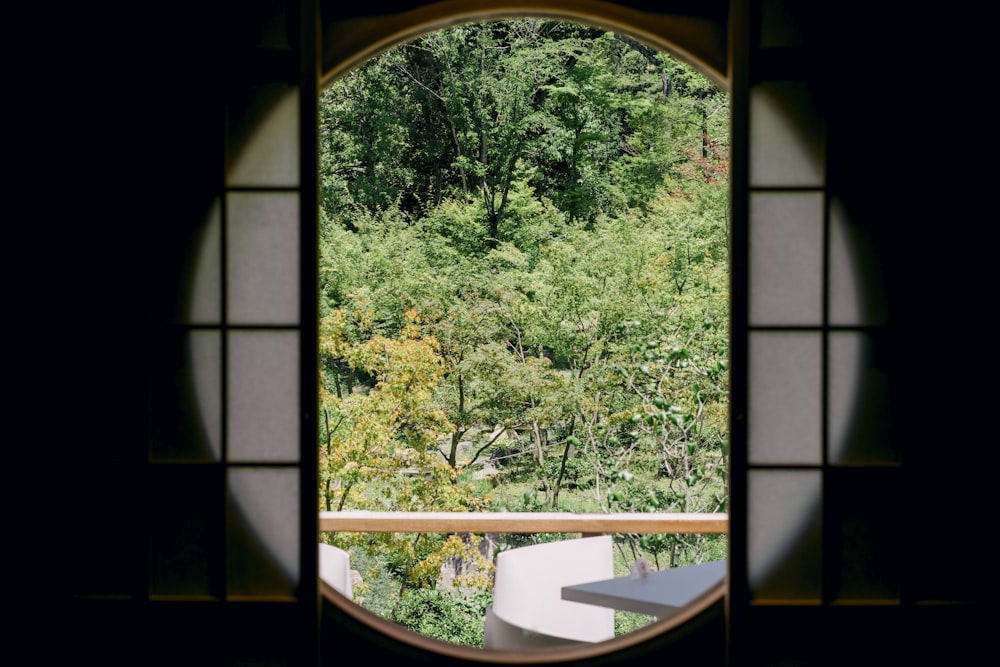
450	616
579	473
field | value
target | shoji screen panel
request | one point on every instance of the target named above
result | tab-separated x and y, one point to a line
814	465
231	457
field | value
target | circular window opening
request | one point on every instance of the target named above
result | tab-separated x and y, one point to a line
524	310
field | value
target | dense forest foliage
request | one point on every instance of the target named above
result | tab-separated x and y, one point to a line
524	284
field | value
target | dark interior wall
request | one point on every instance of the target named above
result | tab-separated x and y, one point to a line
909	151
890	134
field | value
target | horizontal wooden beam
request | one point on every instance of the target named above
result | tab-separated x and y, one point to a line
521	522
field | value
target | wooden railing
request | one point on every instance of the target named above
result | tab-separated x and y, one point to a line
521	522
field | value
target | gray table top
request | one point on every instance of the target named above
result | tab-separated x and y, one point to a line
660	593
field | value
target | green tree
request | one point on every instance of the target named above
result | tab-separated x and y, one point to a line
524	233
380	448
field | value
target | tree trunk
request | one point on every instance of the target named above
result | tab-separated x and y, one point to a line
562	471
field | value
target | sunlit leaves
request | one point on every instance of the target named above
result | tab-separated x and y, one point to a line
524	230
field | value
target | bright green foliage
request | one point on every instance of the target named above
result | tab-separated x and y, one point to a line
524	263
380	447
452	617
